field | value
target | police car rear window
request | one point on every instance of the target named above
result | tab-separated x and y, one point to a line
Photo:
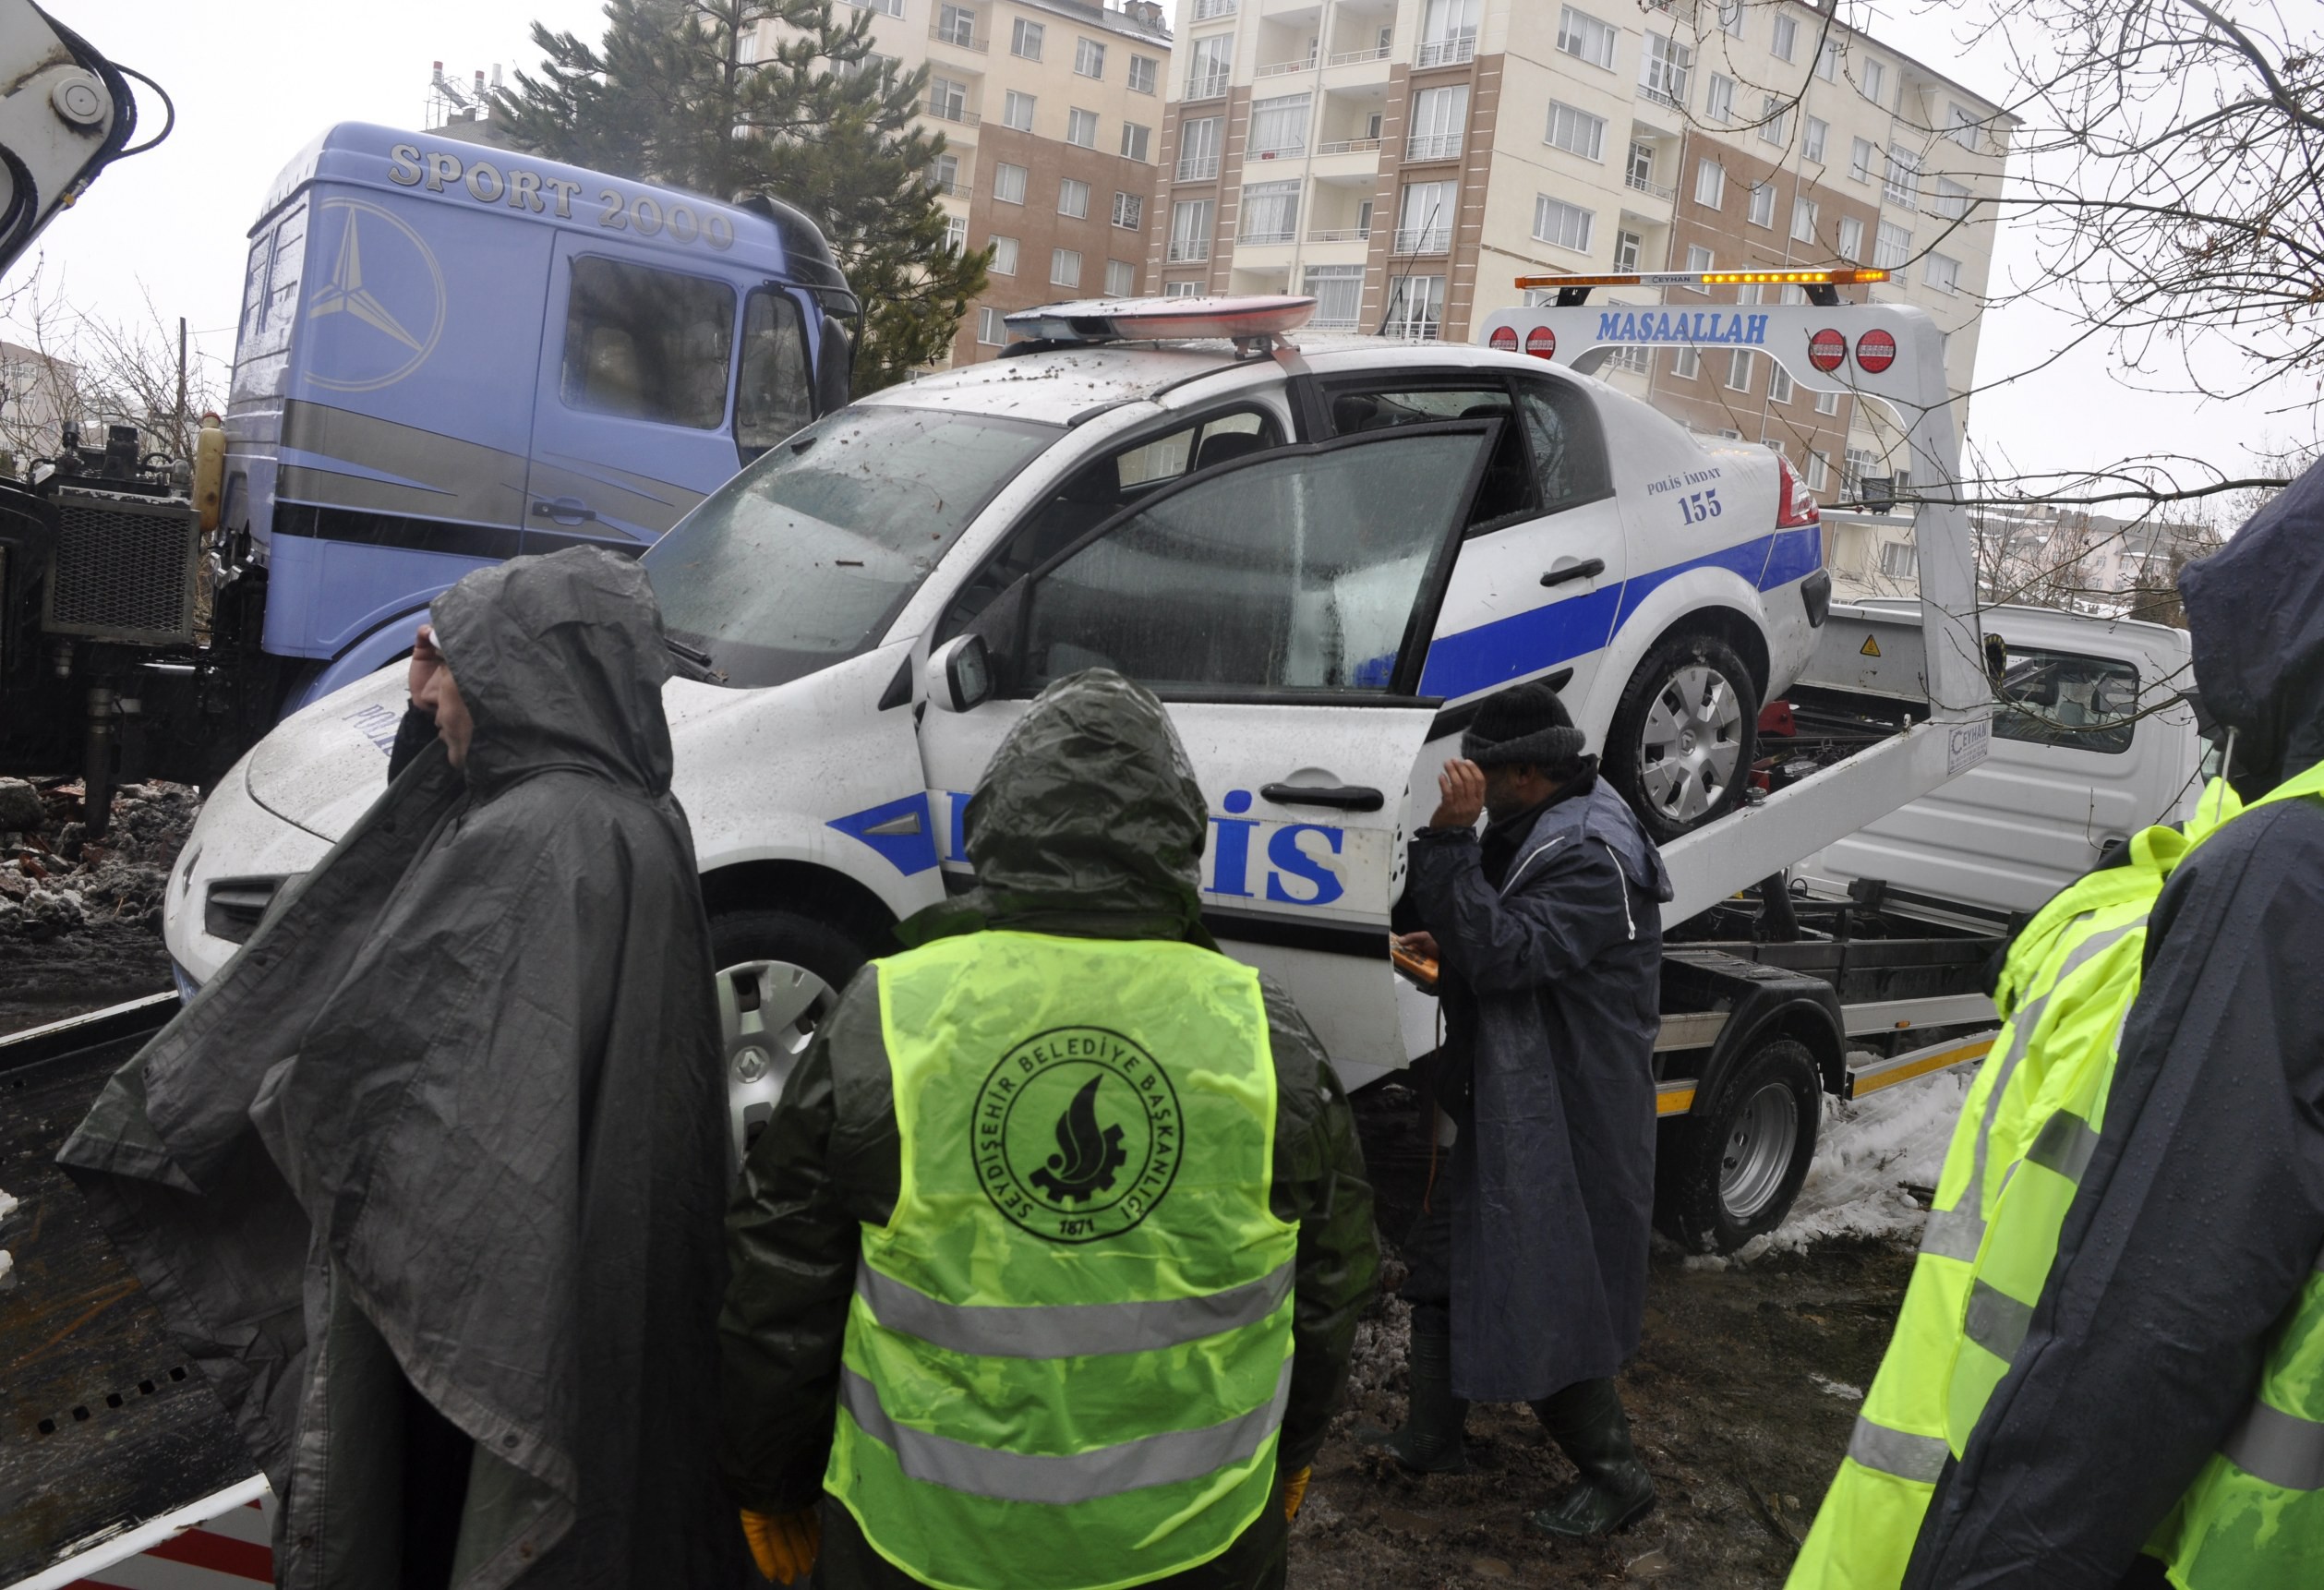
805	558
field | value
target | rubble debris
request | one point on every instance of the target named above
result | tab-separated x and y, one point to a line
20	807
55	881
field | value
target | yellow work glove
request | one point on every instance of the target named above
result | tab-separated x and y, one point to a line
1295	1492
784	1545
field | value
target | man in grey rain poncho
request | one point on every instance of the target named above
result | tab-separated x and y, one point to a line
1529	1264
428	1179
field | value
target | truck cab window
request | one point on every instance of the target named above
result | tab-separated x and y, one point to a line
2058	698
1100	489
1508	490
647	345
775	394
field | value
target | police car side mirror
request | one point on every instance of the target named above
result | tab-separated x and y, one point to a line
960	673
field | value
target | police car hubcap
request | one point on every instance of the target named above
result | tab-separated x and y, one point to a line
1692	741
768	1011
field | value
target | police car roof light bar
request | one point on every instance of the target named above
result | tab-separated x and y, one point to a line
1253	318
1574	291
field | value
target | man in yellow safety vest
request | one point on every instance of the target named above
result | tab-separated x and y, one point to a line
1047	1267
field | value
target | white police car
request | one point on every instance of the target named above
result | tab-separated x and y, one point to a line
1323	557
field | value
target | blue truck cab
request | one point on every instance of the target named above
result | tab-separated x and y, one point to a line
452	354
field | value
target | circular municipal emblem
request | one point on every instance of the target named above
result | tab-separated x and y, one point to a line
376	314
1077	1135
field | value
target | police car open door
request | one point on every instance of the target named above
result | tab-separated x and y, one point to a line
1281	606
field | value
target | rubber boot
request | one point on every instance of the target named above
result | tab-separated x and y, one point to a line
1615	1491
1431	1440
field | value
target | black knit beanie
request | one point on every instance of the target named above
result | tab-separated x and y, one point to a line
1527	724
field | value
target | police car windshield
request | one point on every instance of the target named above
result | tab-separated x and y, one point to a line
803	558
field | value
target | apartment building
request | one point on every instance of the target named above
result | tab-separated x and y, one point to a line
1404	161
1051	112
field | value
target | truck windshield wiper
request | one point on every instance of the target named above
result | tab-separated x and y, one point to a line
697	664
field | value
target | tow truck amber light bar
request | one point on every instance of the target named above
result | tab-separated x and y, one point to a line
1712	279
1143	320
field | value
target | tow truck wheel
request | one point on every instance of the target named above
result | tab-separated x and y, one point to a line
1680	748
1729	1172
779	974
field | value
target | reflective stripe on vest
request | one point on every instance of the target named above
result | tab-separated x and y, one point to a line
1070	1350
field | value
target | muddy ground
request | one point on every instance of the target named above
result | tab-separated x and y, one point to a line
1741	1395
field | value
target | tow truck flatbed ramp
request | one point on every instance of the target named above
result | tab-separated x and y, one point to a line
112	1439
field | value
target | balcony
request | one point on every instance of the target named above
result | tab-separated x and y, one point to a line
1446	52
1185	250
1423	240
1673	98
950	113
1356	57
955	189
1641	185
1203	168
1210	87
1414	330
1340	235
960	38
1348	146
1281	151
1433	146
1257	240
1285	68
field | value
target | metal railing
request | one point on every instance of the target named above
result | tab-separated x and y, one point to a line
1633	180
1284	68
1207	11
1260	237
1347	146
1677	101
1350	58
1183	250
1331	324
1423	239
1200	168
1281	151
1212	87
955	189
1432	146
1416	332
944	112
1340	235
1446	52
955	37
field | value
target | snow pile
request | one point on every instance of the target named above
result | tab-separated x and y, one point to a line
56	880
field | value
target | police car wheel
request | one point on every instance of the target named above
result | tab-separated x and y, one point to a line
1679	749
779	975
1730	1169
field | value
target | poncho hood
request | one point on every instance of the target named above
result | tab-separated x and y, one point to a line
561	661
2255	609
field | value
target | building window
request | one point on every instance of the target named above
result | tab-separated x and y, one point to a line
1003	256
1073	198
1902	183
1637	360
1662	70
1812	140
1415	308
1775	120
1762	204
1964	129
1448	32
1585	38
1565	225
1189	230
1209	10
947	100
1942	272
1803	220
1639	172
1698	261
1213	66
1198	148
1852	242
945	174
1081	127
1791	294
1017	110
1718	100
1271	211
1143	73
1129	210
1859	160
1121	279
1856	463
1134	139
1732	18
956	25
991	329
1786	38
1710	182
1088	57
1874	81
1827	402
1181	289
1279	127
1819	471
1065	268
956	233
1423	224
1778	383
1827	61
1628	247
1687	362
1738	370
1899	559
1008	184
1438	118
1337	290
1951	201
1024	40
1891	246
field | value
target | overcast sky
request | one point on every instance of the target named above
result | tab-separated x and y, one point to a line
255	79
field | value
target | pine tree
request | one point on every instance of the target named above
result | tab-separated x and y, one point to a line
820	122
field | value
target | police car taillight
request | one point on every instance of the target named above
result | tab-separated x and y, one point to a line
1156	320
1795	507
